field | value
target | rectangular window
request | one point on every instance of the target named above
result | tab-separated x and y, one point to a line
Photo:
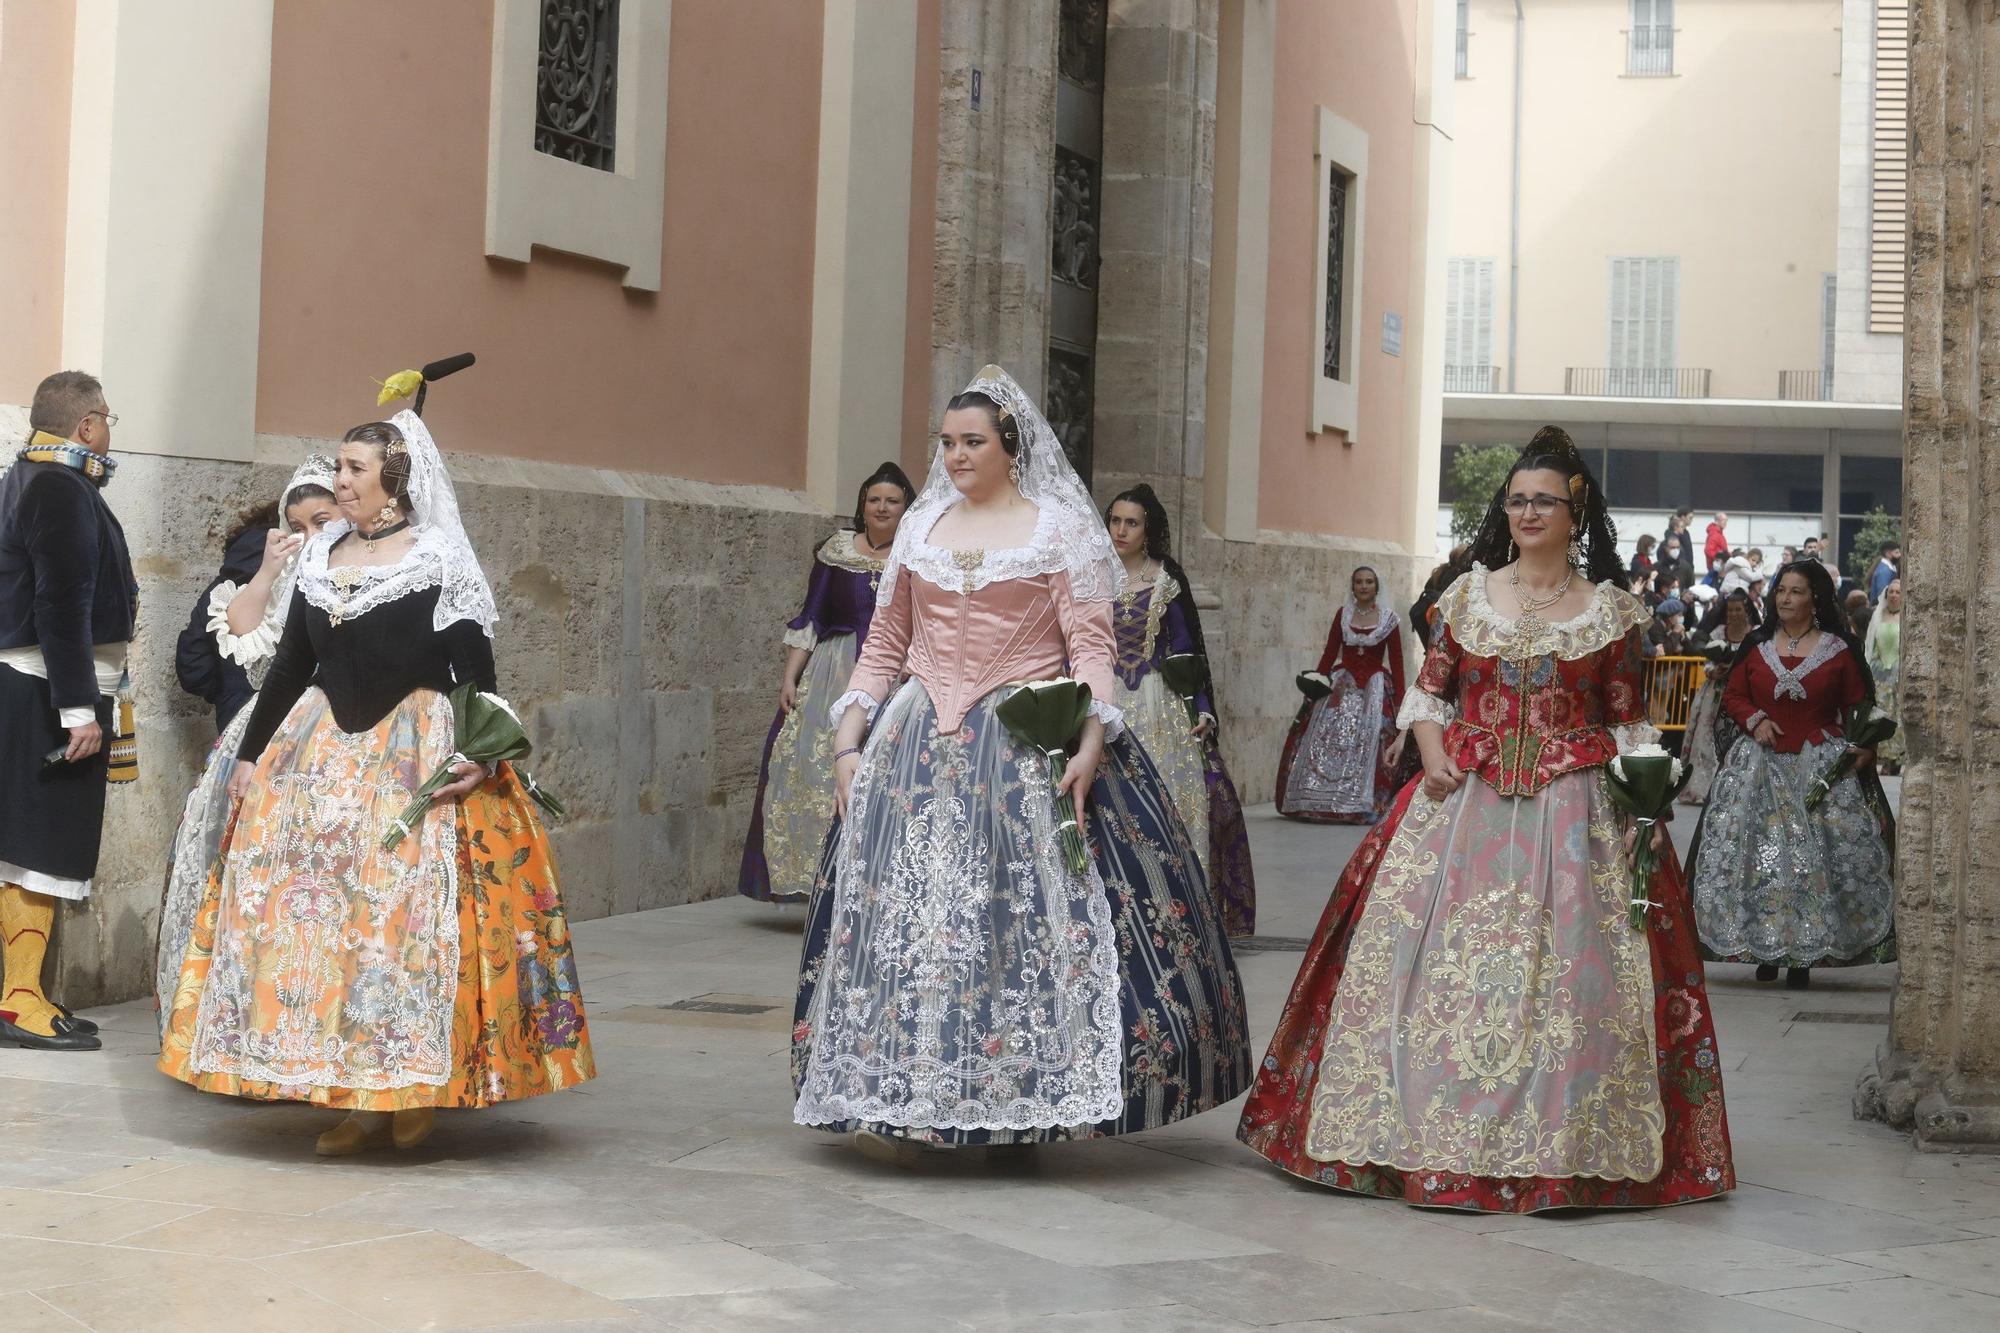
1649	42
1645	295
1828	292
1464	32
1468	327
1336	271
576	83
1341	184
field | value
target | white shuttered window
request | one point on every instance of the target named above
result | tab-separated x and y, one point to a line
1468	327
1645	297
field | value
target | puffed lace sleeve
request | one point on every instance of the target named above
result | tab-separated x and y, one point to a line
1432	696
243	649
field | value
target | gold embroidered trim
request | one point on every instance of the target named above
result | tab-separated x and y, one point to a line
840	552
1483	632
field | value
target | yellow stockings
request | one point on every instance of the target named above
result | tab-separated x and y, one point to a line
25	921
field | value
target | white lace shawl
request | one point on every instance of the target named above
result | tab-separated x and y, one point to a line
261	642
441	558
1069	533
1792	680
1366	638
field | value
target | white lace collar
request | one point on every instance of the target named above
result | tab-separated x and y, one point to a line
843	551
361	589
1386	621
970	570
1611	614
1792	680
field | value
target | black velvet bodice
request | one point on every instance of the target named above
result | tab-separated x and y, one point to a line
367	664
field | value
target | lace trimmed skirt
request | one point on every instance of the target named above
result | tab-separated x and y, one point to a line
321	968
794	804
196	848
959	985
1331	770
1777	883
1477	1026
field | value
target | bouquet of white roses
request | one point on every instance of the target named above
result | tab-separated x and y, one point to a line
1046	716
485	730
1643	783
1866	728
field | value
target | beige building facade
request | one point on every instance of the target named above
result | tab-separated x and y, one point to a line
742	256
1667	221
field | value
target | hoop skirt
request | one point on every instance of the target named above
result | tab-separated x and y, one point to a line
321	968
794	804
958	985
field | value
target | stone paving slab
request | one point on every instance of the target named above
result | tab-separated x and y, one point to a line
675	1193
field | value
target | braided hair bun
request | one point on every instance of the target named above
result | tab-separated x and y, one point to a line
1553	450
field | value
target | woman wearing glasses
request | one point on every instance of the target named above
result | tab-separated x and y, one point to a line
1477	1024
1339	762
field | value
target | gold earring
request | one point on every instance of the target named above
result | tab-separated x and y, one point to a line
387	514
1014	473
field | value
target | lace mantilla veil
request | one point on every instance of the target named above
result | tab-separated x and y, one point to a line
317	470
441	558
1069	536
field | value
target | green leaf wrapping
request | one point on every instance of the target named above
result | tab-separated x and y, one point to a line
1312	686
1185	674
1866	729
484	731
1646	792
1046	715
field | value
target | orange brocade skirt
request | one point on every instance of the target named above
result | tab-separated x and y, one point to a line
323	969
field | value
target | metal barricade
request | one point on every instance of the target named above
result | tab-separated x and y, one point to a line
1670	684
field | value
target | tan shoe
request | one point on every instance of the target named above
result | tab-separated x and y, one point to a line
412	1127
362	1131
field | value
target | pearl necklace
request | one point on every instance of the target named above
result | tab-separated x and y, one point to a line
1530	605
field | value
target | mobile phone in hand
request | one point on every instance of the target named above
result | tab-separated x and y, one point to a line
56	761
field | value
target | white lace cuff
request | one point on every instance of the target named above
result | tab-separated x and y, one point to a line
805	639
242	649
1750	723
1112	716
1423	706
1631	735
867	701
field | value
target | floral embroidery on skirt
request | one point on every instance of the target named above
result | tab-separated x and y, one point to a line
794	804
1332	769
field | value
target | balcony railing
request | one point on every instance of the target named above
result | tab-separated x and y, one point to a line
1649	50
1636	381
1805	386
1471	379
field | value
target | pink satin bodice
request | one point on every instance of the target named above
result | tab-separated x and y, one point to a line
961	645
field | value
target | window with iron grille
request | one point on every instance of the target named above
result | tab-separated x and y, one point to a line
1828	292
1336	269
1468	327
1645	297
576	82
1649	42
1464	34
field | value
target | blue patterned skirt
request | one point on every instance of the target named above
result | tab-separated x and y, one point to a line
959	985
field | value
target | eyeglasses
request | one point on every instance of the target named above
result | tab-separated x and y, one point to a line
1543	505
110	418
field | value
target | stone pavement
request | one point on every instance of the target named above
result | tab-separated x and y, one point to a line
675	1192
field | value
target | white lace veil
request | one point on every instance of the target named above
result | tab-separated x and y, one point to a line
463	593
317	470
1070	535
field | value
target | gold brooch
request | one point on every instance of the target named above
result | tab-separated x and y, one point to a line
968	563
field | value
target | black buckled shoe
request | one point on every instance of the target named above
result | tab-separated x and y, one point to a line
83	1025
68	1037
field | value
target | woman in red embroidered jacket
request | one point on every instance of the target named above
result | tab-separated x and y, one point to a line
1775	883
1336	766
1477	1024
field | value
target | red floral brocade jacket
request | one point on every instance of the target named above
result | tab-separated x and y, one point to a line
1533	700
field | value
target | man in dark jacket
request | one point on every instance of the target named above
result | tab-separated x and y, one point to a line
68	603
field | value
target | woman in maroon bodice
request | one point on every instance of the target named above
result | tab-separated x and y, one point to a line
1337	766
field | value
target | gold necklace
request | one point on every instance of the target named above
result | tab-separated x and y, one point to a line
1530	604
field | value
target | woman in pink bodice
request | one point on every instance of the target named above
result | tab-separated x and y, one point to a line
960	985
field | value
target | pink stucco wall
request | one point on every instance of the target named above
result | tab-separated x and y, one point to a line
36	41
374	248
1364	73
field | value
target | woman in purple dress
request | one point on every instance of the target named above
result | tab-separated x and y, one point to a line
1155	618
795	785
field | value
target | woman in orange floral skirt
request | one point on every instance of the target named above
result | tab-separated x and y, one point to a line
323	967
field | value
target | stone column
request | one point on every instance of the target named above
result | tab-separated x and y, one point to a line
996	152
1939	1072
1159	208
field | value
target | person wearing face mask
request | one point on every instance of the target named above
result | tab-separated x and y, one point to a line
964	983
1339	762
324	966
1153	619
68	607
794	805
222	654
1477	1023
1776	882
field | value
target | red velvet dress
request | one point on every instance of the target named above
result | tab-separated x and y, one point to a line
1476	1025
1333	768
